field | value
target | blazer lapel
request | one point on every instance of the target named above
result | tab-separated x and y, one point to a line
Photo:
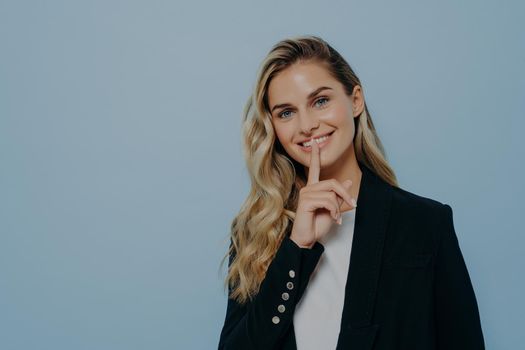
372	214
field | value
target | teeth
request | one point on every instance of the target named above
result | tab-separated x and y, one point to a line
319	140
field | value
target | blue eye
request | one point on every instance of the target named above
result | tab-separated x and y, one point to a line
282	116
321	99
282	113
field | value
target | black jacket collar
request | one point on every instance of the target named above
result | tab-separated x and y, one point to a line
371	220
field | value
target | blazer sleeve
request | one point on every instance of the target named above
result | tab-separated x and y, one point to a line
457	318
263	322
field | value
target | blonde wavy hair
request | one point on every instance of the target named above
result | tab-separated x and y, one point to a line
268	212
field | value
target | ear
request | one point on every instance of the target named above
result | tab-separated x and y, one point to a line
358	101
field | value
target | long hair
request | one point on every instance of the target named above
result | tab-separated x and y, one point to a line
267	214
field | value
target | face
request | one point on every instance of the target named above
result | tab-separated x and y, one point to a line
305	101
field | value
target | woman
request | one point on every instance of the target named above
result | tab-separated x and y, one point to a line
390	275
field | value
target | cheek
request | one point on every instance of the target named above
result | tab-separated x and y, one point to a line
342	119
283	134
279	137
286	137
337	116
342	115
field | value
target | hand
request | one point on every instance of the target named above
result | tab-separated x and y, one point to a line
319	204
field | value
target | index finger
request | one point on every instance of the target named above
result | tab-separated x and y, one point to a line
315	161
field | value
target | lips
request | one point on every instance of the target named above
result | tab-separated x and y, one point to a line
328	138
315	138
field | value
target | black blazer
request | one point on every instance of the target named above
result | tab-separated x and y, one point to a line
407	288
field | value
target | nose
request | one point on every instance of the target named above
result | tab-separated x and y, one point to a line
307	122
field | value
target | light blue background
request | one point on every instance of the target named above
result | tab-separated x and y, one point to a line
121	167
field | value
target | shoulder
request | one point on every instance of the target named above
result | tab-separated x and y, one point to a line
416	220
416	207
402	196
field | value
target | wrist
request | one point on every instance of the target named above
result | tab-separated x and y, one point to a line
301	244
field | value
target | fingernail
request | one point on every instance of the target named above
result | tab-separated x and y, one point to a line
354	203
340	221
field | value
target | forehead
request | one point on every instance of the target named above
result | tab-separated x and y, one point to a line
297	81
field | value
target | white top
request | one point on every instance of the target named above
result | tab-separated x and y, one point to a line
317	316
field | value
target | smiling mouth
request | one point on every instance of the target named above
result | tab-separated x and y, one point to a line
320	141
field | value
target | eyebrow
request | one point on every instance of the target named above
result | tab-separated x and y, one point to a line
310	95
